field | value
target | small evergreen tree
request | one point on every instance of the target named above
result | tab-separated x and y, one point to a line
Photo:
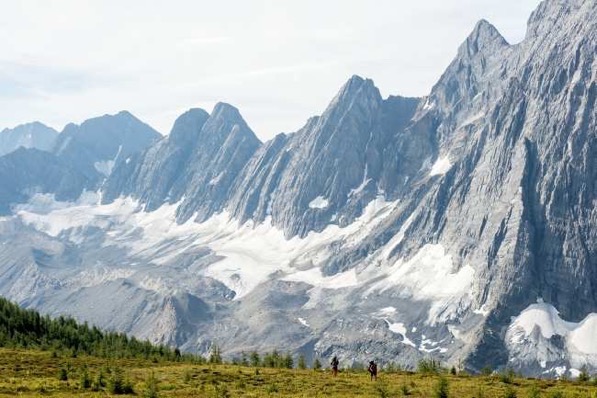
584	376
244	361
215	355
118	384
302	363
317	364
287	362
255	359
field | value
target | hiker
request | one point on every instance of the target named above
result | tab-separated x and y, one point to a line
372	370
335	364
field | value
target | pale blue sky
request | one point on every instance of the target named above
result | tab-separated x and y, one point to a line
278	61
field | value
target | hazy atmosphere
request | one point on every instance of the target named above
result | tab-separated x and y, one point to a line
278	62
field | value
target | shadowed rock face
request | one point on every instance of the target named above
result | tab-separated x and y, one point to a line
39	160
96	144
27	171
30	135
396	228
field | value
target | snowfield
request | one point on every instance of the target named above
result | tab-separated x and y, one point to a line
246	256
539	323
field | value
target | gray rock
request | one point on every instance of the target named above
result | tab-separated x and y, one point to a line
30	135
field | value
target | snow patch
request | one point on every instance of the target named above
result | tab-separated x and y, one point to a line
441	166
216	179
105	167
430	276
356	191
400	329
539	322
429	104
319	203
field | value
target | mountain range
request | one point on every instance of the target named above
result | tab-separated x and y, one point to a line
460	226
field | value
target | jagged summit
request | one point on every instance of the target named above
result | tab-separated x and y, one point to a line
484	38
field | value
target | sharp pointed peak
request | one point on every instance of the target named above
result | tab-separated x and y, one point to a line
484	37
355	86
356	81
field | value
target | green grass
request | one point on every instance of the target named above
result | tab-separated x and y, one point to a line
32	373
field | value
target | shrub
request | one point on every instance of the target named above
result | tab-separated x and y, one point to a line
382	390
221	391
405	390
117	384
151	387
441	388
534	392
486	371
507	376
272	388
187	376
510	393
63	374
99	382
85	379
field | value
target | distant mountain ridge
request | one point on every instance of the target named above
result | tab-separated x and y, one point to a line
459	226
67	164
30	135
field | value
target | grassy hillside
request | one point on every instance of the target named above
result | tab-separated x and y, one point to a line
59	357
32	373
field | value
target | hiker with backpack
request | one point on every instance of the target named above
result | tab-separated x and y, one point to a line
372	369
335	364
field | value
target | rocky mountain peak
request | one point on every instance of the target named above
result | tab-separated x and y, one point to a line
188	125
356	89
226	111
484	38
225	122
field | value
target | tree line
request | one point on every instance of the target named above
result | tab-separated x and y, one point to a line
23	328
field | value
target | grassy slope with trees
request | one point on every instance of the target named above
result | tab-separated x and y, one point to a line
62	358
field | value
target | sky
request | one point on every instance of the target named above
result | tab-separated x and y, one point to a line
278	61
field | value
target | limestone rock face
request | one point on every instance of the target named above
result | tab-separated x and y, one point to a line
461	225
